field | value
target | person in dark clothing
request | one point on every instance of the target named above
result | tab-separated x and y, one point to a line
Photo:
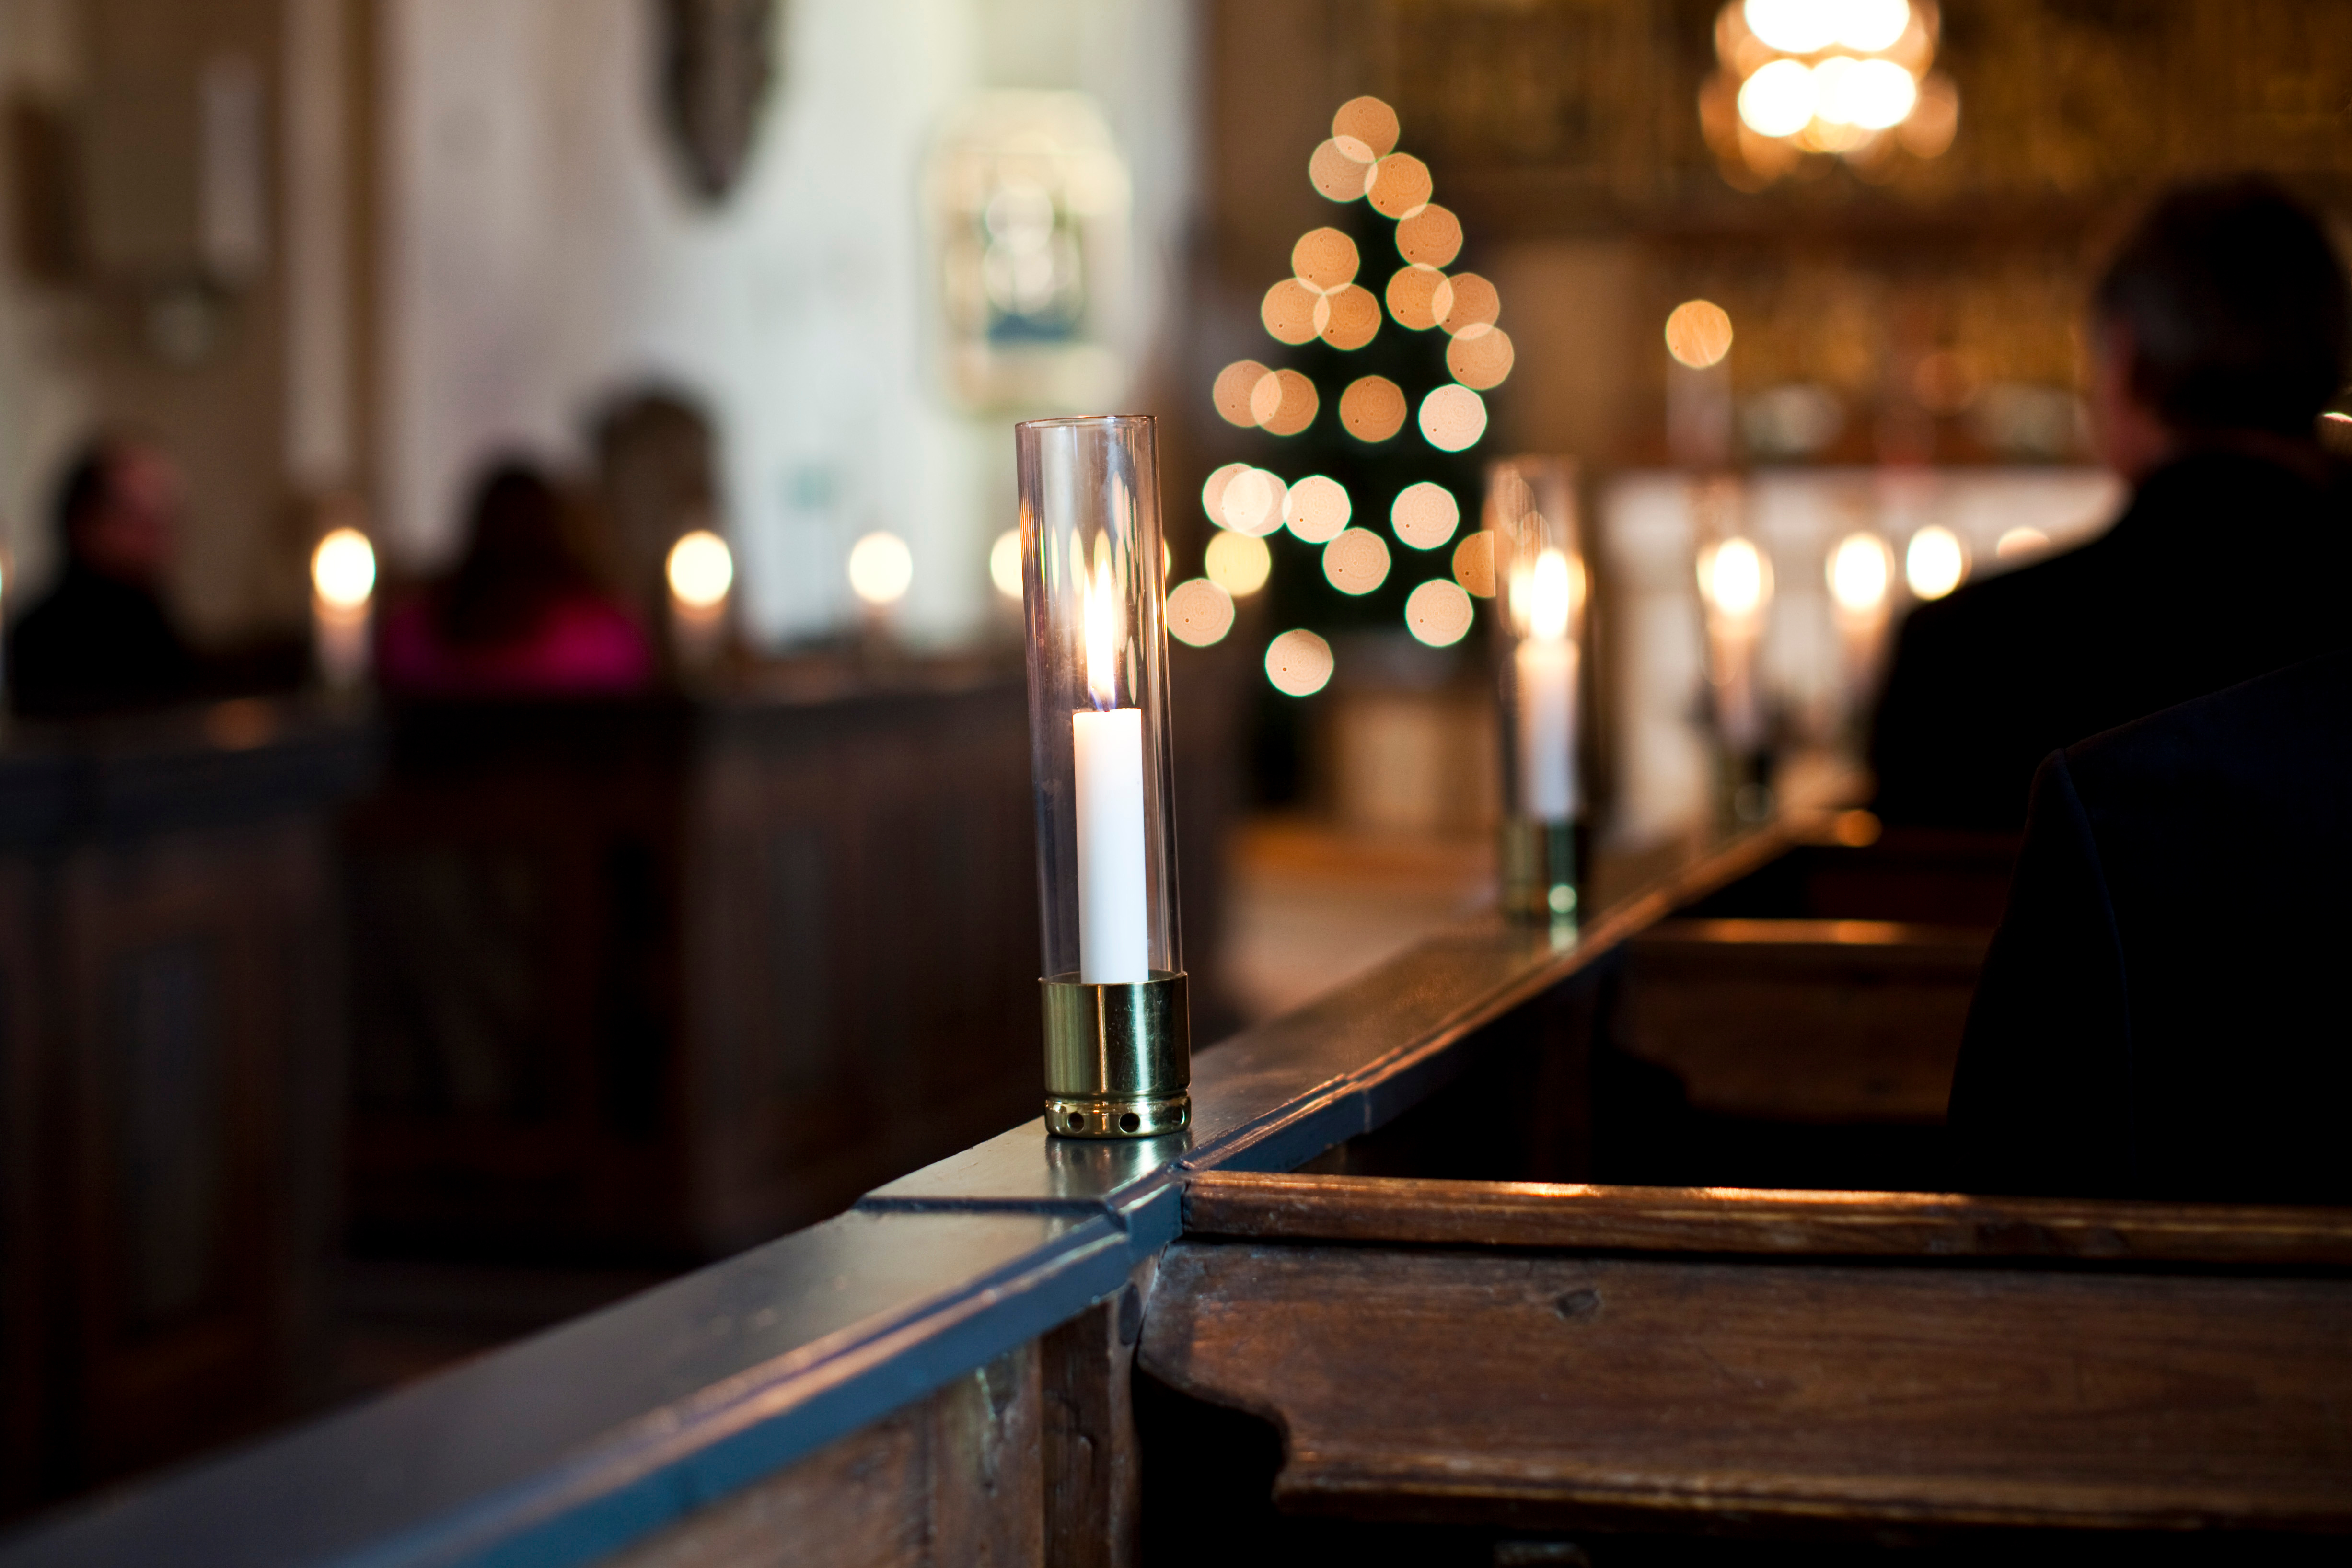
2161	1014
2222	328
101	639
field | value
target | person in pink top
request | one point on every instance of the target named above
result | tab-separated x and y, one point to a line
520	616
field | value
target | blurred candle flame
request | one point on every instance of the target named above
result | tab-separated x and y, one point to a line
1103	639
1551	595
343	568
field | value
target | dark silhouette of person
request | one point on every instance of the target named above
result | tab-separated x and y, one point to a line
2161	1014
2219	330
101	640
521	615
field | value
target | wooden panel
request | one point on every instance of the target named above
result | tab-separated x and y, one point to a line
26	1204
1093	1463
1295	1208
1805	1020
953	1479
1528	1388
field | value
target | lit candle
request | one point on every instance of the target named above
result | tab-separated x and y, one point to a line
1114	938
1547	693
343	585
701	569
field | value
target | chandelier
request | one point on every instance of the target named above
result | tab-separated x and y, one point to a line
1849	78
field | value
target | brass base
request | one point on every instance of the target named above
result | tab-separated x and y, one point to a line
1542	862
1118	1058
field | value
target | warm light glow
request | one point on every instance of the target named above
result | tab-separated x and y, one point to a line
1453	418
1284	402
1367	126
1232	391
1103	632
1338	174
1935	119
1400	186
1430	237
1419	296
1005	563
1779	100
1287	312
1936	562
1250	501
1860	569
1426	515
1357	562
1735	577
1438	613
1298	663
1872	94
1324	258
1372	409
342	568
1199	612
880	568
2019	541
1550	594
1239	563
1474	563
1316	508
1698	333
1870	25
1793	27
1481	358
1349	317
1471	302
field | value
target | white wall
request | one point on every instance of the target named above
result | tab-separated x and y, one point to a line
540	253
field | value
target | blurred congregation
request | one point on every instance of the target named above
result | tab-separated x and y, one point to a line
517	776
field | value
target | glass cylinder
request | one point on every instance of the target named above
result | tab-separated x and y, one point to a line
1118	1034
1734	589
1538	614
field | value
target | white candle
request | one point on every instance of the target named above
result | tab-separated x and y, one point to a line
1546	668
1114	934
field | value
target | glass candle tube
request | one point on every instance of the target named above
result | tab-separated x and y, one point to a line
1735	588
1118	1037
1538	611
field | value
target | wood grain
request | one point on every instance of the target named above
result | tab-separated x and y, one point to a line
954	1478
1510	1387
1567	1217
1093	1463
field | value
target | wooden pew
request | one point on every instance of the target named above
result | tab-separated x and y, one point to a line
1336	1367
1564	1356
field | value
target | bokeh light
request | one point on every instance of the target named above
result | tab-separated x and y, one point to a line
1698	333
1284	403
1935	118
1235	382
1357	562
1239	563
1316	508
1368	123
1779	98
1419	296
342	568
1250	501
1859	570
1481	358
1735	577
1935	562
1212	491
881	568
1324	258
1474	303
1870	25
1350	317
2021	544
1439	613
1199	612
1298	663
1287	312
1453	418
1426	515
1401	184
1372	409
1872	94
1005	563
1338	174
1429	237
1793	27
1474	563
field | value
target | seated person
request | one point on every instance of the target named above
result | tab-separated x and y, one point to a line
101	640
2162	1014
521	617
2219	332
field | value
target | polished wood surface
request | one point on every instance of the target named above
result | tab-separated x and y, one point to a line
1246	1206
1534	1388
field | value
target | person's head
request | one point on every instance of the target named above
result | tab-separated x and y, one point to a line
518	557
2225	311
117	510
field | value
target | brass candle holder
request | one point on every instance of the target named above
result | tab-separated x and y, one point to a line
1117	1019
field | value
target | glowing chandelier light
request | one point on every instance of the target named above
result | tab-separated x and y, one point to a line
1851	79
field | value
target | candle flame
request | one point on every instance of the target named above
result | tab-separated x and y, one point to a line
1735	577
1103	636
1550	597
